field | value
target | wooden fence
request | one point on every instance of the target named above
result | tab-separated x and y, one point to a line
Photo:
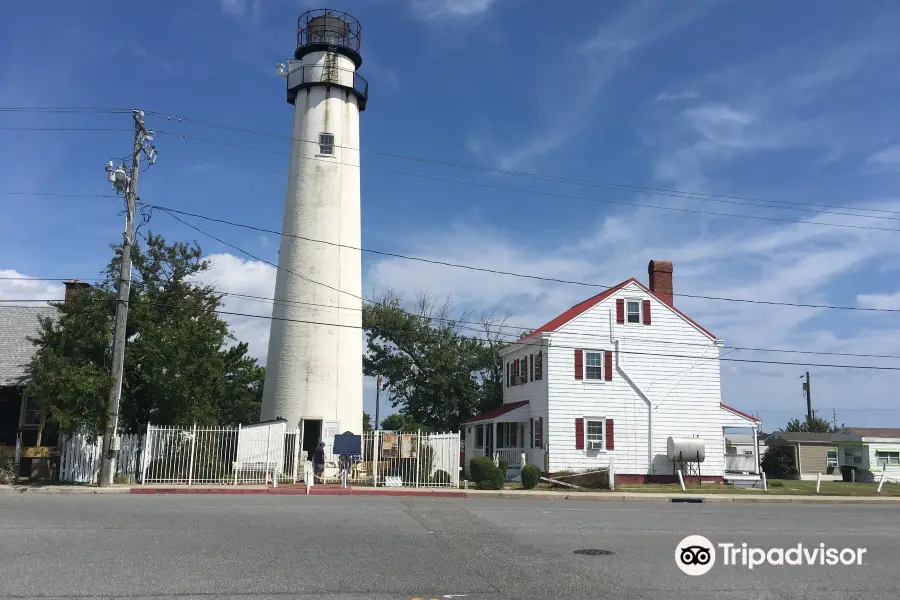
79	458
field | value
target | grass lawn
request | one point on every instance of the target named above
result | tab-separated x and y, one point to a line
776	487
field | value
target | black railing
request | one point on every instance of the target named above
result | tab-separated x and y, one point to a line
301	75
331	27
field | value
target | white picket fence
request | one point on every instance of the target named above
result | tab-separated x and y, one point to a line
79	458
263	453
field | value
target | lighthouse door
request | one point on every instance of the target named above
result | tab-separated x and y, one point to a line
311	430
330	430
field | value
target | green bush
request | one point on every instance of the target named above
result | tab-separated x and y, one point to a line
531	475
778	462
480	468
8	469
494	481
440	476
503	463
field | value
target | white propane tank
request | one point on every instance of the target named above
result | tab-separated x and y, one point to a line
685	448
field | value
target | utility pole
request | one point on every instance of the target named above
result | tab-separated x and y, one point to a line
127	182
377	401
809	410
834	418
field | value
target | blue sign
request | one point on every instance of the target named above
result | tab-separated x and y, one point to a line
347	444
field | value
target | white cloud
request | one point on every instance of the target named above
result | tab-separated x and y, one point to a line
430	9
675	96
880	301
14	288
888	157
234	8
615	46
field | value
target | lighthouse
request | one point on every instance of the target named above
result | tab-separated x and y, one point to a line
314	364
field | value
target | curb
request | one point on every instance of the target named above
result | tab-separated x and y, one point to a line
52	490
284	491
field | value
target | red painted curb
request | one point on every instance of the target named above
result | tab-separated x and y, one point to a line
298	491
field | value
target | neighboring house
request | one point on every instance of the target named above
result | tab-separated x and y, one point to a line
22	415
741	444
613	378
870	452
814	454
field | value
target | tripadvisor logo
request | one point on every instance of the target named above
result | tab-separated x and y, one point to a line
697	555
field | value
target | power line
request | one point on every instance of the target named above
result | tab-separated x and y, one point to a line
496	329
531	343
568	196
635	189
653	191
172	211
509	273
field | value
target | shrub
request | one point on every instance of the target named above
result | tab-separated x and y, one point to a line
531	475
503	463
7	469
440	476
778	462
480	468
494	481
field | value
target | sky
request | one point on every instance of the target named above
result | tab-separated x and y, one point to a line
647	115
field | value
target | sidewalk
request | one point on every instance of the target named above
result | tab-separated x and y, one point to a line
332	490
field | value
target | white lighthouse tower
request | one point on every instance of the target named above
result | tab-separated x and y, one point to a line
314	365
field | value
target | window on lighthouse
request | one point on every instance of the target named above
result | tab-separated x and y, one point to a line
326	143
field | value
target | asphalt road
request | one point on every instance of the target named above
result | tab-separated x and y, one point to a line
329	547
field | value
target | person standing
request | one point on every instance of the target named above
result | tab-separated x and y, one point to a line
319	462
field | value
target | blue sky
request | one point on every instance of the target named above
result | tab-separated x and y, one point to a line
756	100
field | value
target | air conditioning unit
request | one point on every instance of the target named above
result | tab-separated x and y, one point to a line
594	445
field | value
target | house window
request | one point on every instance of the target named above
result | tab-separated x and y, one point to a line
831	459
593	434
853	456
510	435
31	411
887	458
633	311
479	436
523	370
514	380
326	144
538	365
593	365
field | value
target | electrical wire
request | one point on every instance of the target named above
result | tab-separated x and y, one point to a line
528	343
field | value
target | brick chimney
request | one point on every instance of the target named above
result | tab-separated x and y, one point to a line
72	287
660	272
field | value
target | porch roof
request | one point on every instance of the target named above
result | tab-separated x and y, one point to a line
497	412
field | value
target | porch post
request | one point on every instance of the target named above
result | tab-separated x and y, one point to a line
756	451
496	441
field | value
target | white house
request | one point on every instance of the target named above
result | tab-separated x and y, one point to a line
871	452
614	376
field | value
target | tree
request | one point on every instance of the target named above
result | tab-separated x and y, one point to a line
810	425
778	462
438	372
401	422
180	365
367	422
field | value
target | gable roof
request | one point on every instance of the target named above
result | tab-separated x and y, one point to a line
804	437
875	432
17	323
739	413
496	412
582	307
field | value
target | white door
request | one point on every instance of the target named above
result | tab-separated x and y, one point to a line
329	430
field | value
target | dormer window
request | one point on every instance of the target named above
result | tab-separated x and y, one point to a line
633	311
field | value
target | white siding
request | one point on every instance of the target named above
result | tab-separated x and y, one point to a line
685	391
873	473
535	392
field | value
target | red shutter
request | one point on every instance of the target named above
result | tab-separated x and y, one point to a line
531	432
620	310
610	445
541	430
579	434
541	364
646	312
579	364
607	365
507	373
531	365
